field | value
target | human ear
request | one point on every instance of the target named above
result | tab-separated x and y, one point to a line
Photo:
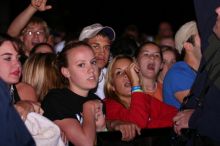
187	45
65	72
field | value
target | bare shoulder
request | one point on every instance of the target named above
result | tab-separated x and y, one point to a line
26	91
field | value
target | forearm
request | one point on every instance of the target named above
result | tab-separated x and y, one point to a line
21	21
138	112
88	126
161	114
111	124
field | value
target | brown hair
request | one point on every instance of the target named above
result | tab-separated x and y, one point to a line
62	60
138	51
17	44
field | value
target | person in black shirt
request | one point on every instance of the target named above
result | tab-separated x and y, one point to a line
74	109
201	110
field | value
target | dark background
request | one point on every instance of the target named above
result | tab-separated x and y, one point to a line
73	15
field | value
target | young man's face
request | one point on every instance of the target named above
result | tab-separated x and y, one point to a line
101	46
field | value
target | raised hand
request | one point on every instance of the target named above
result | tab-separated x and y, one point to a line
100	118
132	73
40	5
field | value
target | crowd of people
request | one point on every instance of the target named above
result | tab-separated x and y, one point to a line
103	82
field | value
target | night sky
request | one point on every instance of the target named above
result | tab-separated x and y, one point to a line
73	16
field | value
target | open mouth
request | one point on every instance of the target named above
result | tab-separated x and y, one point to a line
127	84
151	66
35	43
92	78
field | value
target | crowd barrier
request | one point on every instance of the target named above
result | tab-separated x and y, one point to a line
148	137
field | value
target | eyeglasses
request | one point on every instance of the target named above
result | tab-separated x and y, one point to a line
31	33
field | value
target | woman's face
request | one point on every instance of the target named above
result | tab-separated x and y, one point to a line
121	83
82	70
149	61
10	70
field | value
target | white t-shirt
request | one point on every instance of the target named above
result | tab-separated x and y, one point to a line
59	47
100	87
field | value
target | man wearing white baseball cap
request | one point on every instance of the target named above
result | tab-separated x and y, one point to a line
100	38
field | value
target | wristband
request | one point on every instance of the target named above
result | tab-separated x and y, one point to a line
136	89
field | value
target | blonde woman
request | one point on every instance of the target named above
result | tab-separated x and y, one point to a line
41	72
126	101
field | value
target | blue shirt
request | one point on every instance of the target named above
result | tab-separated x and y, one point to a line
180	77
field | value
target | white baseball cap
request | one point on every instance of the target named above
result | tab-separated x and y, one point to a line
183	34
92	30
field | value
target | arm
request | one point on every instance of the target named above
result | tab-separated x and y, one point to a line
26	92
161	114
29	102
210	110
85	133
181	94
138	112
100	119
181	120
22	19
127	129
